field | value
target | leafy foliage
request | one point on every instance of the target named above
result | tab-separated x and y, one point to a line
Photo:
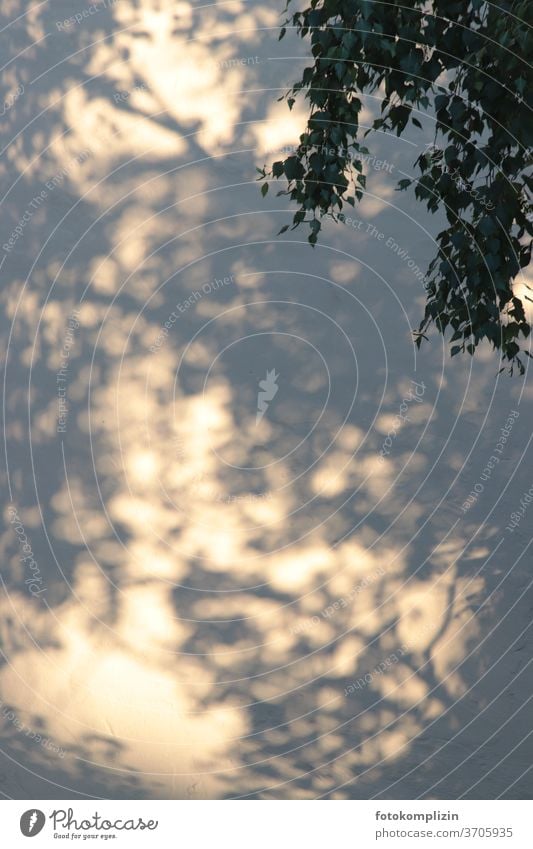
464	63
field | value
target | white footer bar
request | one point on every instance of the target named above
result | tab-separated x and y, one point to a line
267	825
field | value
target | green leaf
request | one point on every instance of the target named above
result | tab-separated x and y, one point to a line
487	226
293	168
319	119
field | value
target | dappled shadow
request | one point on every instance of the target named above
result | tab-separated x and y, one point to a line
231	599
